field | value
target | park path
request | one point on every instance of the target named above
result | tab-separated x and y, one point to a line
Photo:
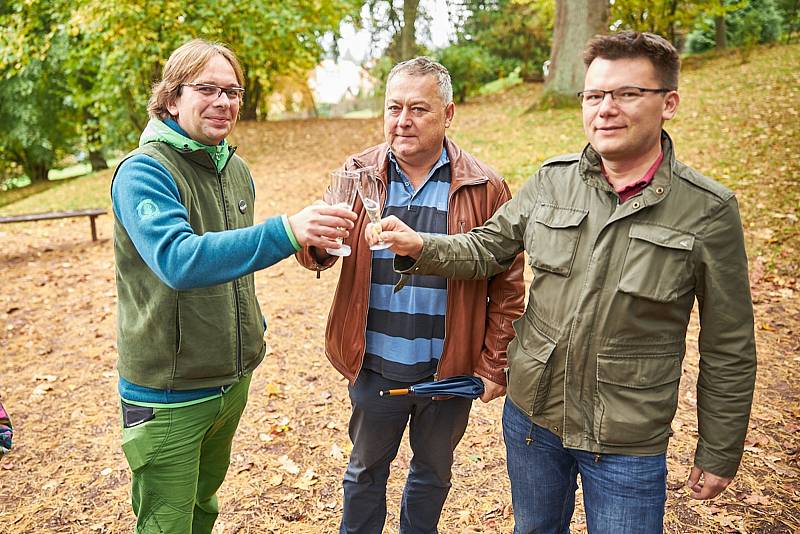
58	382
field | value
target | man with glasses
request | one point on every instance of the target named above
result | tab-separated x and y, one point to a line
190	330
622	239
383	335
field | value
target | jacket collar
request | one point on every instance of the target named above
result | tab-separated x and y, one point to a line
591	172
171	133
463	170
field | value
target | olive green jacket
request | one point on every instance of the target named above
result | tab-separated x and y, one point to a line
598	353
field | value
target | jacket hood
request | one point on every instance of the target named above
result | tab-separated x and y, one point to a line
158	131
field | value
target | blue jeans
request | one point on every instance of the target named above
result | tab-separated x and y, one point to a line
621	493
376	429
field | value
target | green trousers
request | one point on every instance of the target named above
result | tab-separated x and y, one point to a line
178	460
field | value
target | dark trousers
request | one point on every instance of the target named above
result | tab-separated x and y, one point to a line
376	428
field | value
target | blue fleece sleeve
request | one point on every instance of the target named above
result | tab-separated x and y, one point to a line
147	202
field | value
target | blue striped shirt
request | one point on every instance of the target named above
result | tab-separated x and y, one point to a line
405	330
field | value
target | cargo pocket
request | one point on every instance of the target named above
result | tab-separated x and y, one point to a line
555	235
636	397
142	441
656	263
529	366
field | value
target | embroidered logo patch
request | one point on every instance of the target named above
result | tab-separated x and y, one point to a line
147	209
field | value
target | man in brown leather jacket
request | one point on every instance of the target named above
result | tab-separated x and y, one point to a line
379	338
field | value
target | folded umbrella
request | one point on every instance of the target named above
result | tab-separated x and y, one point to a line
470	387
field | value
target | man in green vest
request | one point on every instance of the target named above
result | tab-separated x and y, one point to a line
622	239
190	330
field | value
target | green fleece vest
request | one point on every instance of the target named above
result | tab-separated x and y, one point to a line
198	338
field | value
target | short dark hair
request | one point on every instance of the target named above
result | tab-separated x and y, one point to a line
630	45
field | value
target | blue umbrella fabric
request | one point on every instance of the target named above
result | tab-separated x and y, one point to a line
470	387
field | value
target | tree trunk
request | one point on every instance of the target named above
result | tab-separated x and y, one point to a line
408	35
37	172
249	109
720	39
577	21
94	141
97	160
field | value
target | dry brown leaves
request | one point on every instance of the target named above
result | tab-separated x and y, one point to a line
67	473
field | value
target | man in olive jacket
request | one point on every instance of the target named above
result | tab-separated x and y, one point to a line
622	239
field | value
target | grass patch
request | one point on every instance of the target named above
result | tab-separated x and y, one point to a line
22	187
501	84
90	191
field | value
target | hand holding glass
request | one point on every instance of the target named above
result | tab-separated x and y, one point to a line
370	196
342	194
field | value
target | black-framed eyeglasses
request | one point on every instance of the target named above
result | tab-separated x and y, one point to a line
207	90
620	95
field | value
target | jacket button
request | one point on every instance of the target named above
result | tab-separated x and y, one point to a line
242	206
555	429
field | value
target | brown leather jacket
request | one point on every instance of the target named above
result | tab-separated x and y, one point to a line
479	312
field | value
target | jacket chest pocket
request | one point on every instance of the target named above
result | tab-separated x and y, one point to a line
555	232
656	263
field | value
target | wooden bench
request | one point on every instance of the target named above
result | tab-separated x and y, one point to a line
92	213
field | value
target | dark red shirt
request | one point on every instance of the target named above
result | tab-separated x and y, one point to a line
629	190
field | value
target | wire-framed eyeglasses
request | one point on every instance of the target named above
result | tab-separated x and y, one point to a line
620	95
207	90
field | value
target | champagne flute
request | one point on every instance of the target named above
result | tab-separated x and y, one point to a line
370	195
342	194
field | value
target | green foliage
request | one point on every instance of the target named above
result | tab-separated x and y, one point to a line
38	114
517	32
470	67
750	23
105	56
668	18
501	84
790	13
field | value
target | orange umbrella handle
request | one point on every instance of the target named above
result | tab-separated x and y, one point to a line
393	392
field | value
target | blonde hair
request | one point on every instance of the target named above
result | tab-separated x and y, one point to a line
183	65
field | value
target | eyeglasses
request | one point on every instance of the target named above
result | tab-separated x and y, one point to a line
620	95
206	90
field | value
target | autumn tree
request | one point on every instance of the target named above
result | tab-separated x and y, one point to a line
112	53
668	18
37	111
